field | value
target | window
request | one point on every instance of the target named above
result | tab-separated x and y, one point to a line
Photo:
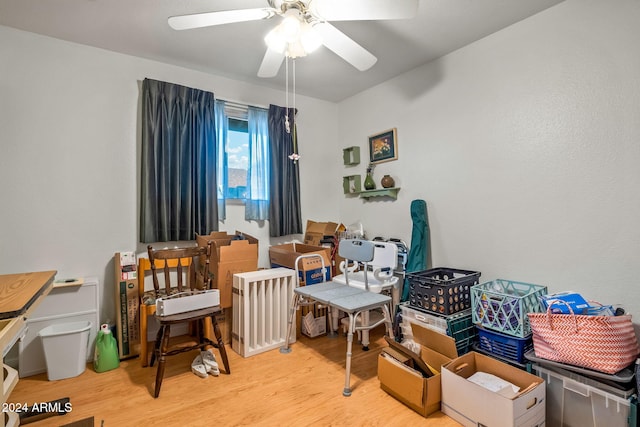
243	158
237	152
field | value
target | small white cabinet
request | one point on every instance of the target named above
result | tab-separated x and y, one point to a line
63	304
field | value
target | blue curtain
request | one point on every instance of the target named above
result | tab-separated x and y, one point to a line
257	201
284	210
178	177
222	126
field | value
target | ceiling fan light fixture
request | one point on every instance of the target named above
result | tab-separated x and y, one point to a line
305	26
293	37
290	27
276	41
309	38
296	50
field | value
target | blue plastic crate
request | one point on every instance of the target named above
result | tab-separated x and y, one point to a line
504	346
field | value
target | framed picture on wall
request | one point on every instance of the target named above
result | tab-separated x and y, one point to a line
383	147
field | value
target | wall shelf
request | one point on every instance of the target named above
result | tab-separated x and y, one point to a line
383	192
351	156
351	184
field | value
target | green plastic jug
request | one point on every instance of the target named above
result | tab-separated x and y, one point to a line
105	357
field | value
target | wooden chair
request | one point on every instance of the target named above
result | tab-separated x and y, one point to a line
177	266
148	301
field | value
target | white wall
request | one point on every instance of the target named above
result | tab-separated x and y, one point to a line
525	146
69	163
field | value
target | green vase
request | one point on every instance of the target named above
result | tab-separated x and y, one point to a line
369	183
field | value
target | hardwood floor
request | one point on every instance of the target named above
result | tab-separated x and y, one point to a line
302	388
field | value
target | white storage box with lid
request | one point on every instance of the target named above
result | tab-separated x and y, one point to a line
65	349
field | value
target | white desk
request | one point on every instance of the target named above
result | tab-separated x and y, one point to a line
20	294
353	301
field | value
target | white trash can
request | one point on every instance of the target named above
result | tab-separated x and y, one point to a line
65	349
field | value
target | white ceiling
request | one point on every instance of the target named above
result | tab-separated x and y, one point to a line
139	28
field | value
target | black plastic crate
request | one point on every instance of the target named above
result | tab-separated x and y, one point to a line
442	290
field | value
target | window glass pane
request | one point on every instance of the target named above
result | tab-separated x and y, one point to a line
237	158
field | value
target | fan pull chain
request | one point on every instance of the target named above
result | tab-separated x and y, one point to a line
293	114
287	126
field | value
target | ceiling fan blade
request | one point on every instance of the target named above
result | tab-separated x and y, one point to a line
363	10
343	46
207	19
270	63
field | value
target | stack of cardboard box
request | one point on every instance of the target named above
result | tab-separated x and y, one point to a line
451	391
230	254
325	234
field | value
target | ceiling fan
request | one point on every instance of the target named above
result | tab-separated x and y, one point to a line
306	20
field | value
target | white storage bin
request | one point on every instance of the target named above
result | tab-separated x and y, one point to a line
411	315
65	349
577	401
64	304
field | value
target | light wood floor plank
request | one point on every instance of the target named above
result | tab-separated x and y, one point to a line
303	388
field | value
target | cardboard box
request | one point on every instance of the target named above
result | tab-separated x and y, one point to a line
224	319
229	255
314	326
472	405
315	231
127	304
310	268
408	385
400	357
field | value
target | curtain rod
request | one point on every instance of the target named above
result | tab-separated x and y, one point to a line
239	104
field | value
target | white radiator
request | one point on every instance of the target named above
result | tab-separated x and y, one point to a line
261	301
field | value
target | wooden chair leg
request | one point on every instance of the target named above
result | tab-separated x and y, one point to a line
166	332
221	347
144	356
200	331
156	346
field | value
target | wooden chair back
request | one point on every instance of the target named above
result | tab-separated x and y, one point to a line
190	263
